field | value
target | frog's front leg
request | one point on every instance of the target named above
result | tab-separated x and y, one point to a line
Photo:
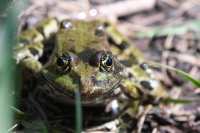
30	45
142	85
132	118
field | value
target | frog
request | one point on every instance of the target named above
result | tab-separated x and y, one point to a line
87	56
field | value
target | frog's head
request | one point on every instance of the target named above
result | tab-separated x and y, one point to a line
82	61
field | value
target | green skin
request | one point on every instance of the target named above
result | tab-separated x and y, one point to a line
83	40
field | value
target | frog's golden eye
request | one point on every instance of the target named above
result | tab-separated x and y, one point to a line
106	62
64	63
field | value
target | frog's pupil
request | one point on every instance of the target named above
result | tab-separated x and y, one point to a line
63	60
109	61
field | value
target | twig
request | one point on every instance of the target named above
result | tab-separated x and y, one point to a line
12	128
172	3
127	7
142	118
112	126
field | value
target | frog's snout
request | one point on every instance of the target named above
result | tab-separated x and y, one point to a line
98	84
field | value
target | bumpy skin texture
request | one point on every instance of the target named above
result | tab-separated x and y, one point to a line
89	56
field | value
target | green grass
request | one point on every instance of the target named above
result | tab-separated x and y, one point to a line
78	116
181	73
8	32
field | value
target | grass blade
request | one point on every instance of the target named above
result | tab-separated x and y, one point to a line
170	100
185	75
8	26
78	112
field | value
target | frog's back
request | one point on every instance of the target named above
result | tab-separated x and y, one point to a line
87	33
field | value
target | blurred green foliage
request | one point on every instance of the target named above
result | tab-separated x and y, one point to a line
186	76
4	4
171	30
7	66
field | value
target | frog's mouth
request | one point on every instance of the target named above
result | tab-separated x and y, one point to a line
94	90
101	92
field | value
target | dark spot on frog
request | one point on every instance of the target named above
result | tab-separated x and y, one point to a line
123	45
130	75
130	61
129	120
33	51
95	58
106	24
146	85
48	49
147	127
87	55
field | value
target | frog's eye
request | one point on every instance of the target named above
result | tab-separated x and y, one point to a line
106	62
64	63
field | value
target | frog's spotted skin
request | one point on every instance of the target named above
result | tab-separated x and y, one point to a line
86	55
90	65
85	46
